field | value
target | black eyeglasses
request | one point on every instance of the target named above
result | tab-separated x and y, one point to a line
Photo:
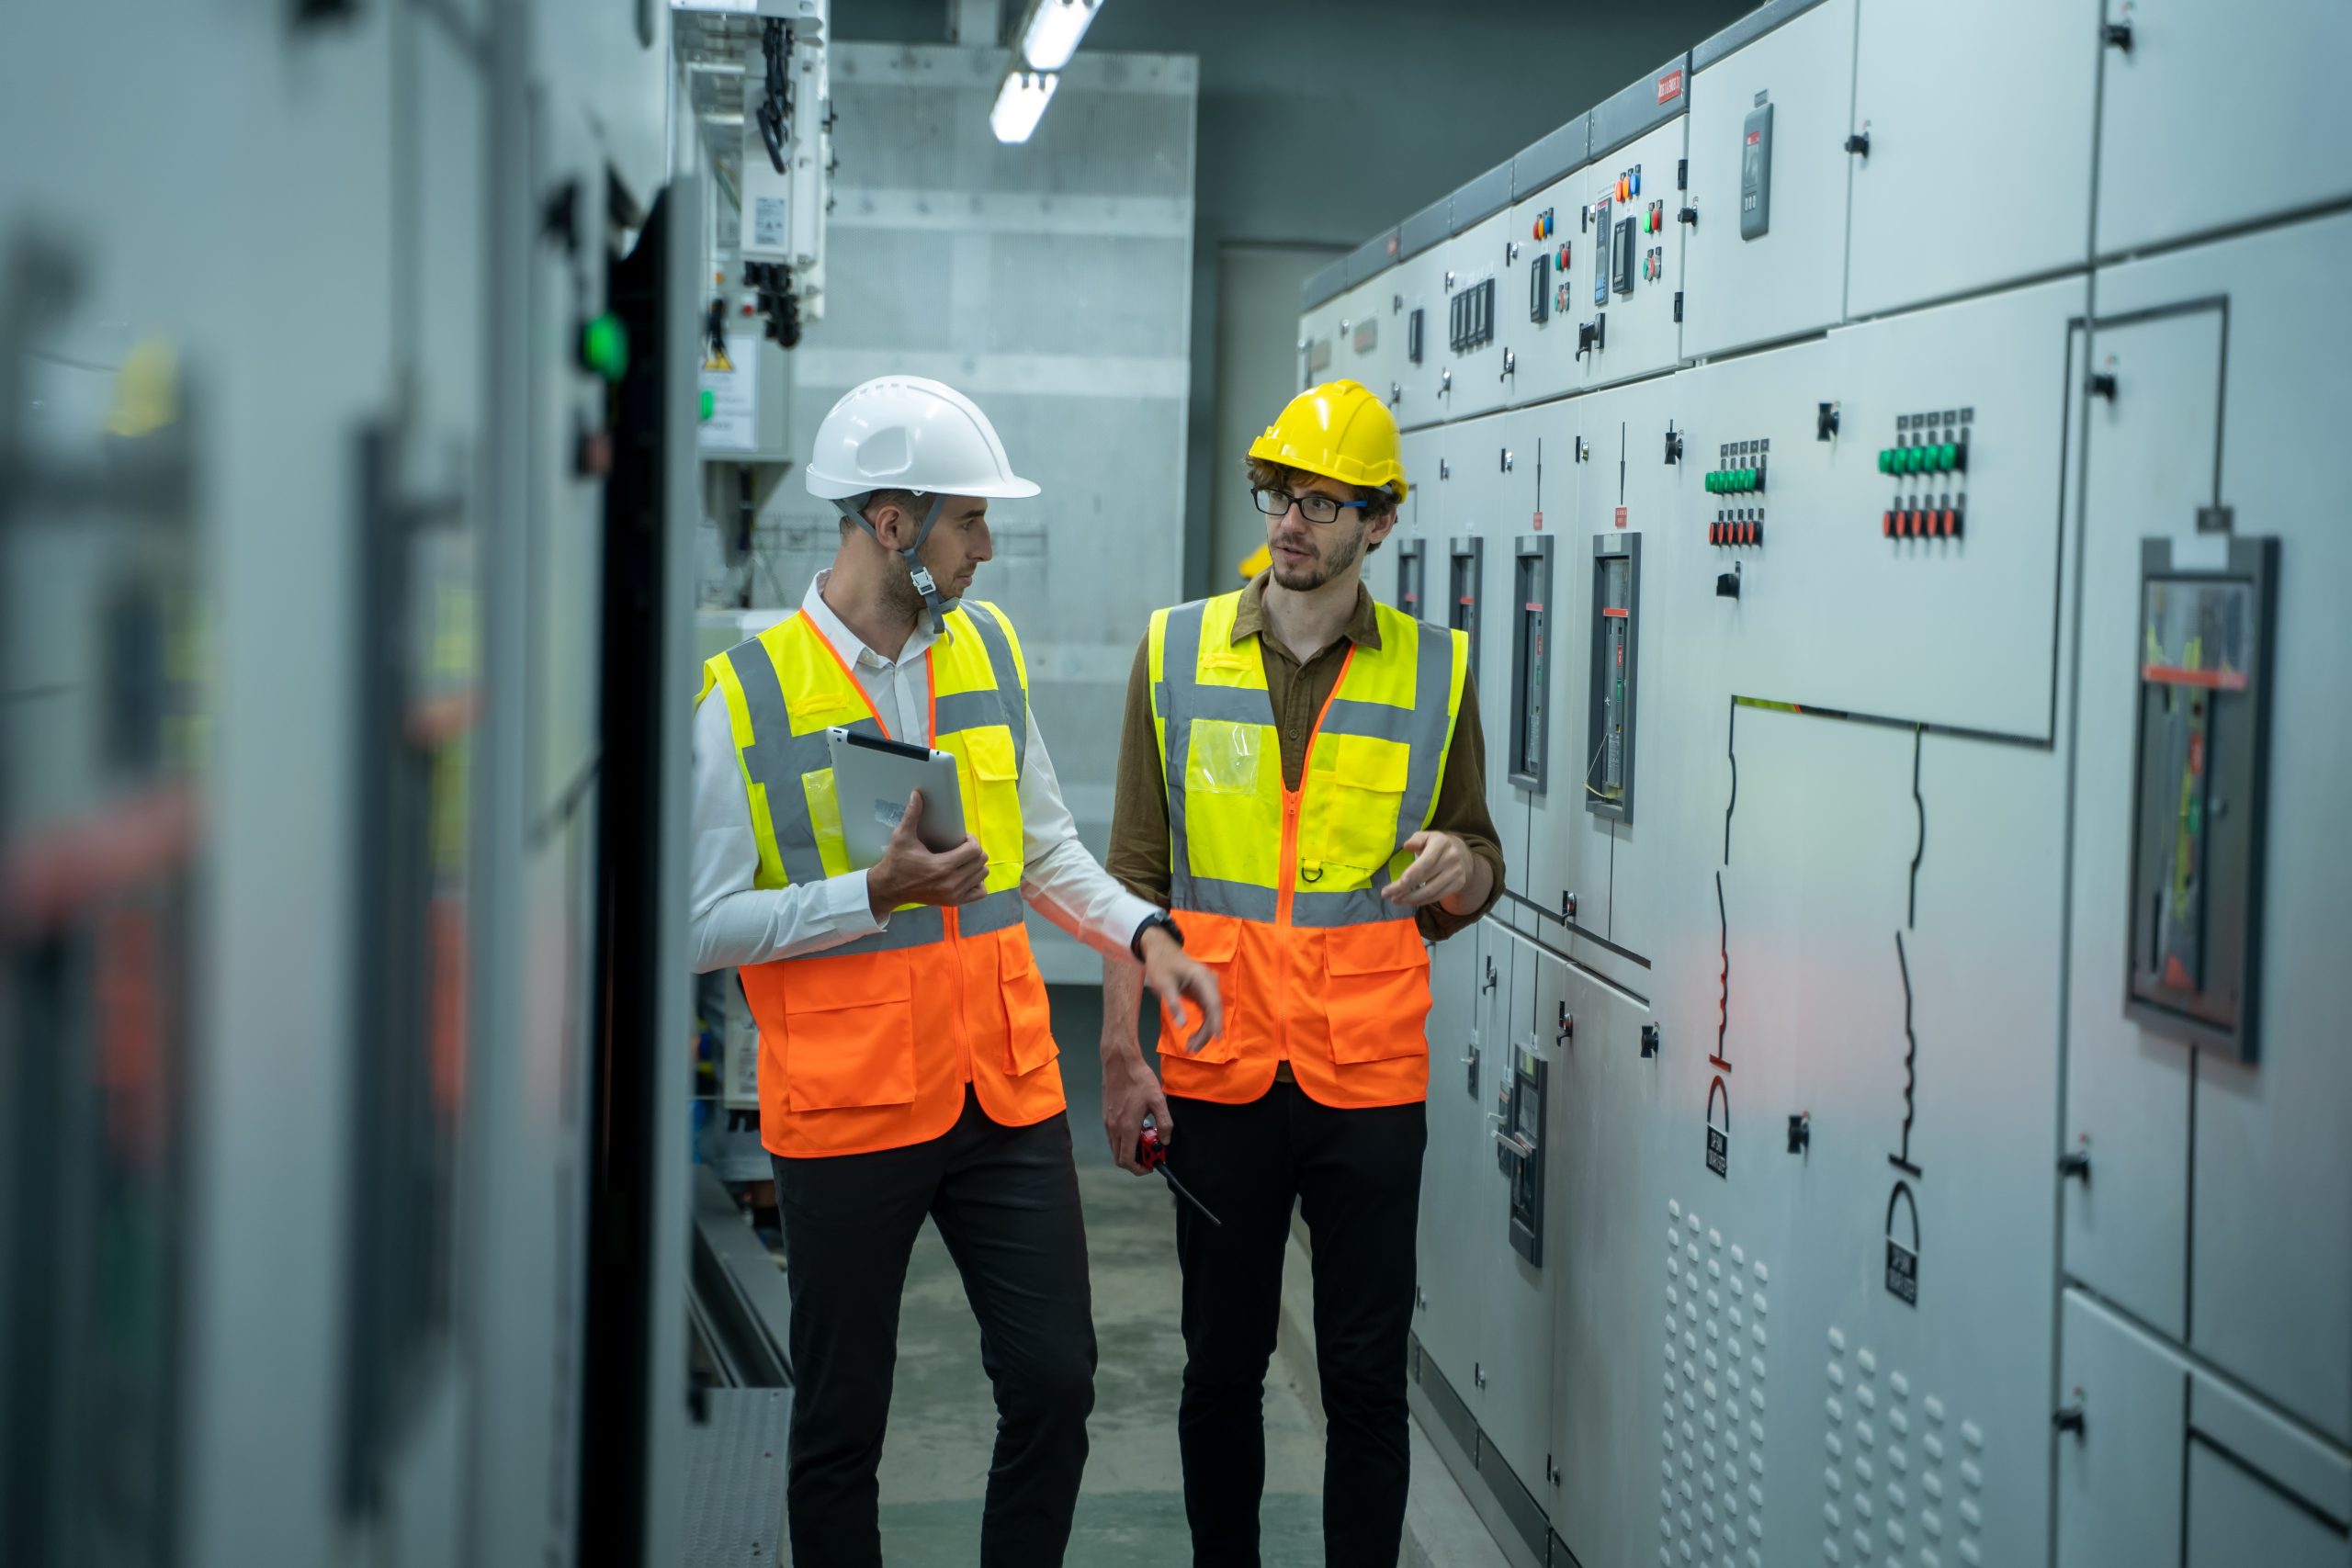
1314	508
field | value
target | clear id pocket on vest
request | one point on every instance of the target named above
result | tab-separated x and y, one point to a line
1226	757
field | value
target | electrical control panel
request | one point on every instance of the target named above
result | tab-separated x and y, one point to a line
1548	291
1519	1149
1465	591
1478	368
1615	675
1756	171
1952	644
1635	223
1527	742
2197	808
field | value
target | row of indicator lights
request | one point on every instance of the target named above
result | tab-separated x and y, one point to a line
1629	184
1565	251
1735	531
1736	481
1931	457
1932	522
1654	221
1543	227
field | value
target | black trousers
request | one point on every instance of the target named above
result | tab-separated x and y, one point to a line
1357	1178
1005	1200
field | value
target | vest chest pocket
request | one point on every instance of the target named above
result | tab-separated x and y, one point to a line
1028	1015
992	792
1350	817
1376	990
849	1032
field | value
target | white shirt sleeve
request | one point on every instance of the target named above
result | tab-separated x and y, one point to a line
730	921
1060	880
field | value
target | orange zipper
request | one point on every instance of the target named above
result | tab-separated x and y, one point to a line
1286	875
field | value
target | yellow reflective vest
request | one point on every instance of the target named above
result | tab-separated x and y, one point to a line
1278	891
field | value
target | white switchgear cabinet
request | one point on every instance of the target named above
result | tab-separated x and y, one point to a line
1876	1227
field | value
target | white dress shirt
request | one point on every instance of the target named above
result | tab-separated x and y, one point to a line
733	922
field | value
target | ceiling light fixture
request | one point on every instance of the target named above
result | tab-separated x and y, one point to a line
1050	36
1021	104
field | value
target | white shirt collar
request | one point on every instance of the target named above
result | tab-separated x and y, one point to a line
844	640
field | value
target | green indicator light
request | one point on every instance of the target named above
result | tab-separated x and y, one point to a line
1949	457
709	400
1886	460
604	346
1906	460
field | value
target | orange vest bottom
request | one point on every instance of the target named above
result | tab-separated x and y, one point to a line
872	1049
1347	1006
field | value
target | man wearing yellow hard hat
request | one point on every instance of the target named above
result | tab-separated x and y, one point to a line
1301	783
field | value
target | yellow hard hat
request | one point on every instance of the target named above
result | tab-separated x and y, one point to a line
1340	431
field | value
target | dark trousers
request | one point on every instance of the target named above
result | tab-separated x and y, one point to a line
1357	1178
1005	1200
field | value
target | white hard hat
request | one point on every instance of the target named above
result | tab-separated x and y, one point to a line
907	433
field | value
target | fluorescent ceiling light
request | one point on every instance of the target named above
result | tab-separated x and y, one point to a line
1020	105
1055	26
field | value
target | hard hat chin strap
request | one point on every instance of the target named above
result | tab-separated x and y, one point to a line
854	508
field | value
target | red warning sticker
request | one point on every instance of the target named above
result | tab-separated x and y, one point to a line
1669	87
1621	517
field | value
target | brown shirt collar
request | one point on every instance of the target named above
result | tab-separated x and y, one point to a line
1249	616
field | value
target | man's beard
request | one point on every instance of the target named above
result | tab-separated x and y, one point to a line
1323	570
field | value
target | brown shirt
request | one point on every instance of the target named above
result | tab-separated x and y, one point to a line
1139	853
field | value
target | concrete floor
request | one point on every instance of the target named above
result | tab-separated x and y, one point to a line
1131	1509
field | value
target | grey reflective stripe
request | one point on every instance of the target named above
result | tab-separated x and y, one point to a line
966	710
1381	721
1232	704
1213	895
779	759
1010	692
776	759
1432	680
1180	661
908	928
1361	906
989	912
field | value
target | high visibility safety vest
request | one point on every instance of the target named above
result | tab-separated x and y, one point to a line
868	1045
1278	891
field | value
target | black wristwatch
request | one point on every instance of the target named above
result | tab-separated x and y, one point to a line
1158	918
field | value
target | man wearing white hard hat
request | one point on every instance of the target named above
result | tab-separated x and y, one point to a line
907	1061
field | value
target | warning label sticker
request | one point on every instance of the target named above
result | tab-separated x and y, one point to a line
768	214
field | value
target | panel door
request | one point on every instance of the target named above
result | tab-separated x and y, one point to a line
1952	196
2199	87
1541	300
1767	125
2128	1088
1515	1295
1477	275
1632	273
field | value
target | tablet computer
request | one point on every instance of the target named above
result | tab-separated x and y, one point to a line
873	777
